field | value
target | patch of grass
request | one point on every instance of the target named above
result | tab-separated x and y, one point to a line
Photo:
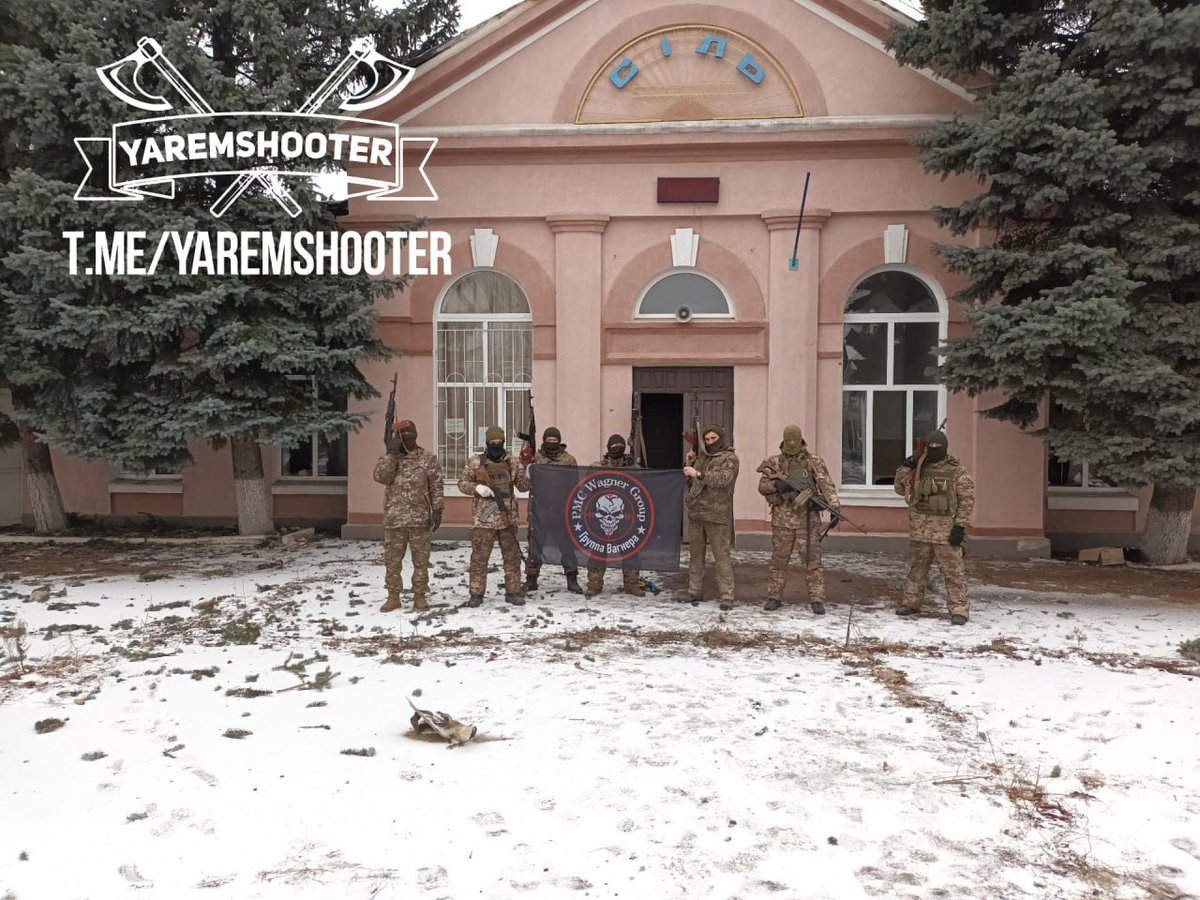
137	817
45	726
197	674
1190	650
178	604
241	633
93	756
52	631
123	625
366	751
249	693
236	733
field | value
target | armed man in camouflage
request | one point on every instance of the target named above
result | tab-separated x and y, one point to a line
941	497
789	479
492	478
412	512
553	452
711	477
615	458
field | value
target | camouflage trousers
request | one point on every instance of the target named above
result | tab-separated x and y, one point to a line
788	541
396	542
482	540
954	572
716	535
630	580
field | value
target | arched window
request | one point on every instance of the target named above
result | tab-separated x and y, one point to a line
699	293
484	364
894	323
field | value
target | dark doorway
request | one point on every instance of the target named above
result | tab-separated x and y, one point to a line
662	427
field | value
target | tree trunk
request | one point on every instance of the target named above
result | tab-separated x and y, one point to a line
49	515
1168	524
250	488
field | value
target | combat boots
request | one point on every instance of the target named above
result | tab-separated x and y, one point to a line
958	619
514	598
475	600
635	590
772	604
392	603
573	584
420	603
817	607
530	584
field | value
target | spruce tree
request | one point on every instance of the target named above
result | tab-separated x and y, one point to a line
128	369
1086	139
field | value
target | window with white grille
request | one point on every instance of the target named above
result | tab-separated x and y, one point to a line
893	325
484	365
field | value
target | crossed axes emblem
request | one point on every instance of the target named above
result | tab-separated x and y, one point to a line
388	78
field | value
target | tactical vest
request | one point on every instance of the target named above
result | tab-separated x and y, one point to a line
618	462
935	494
499	478
797	471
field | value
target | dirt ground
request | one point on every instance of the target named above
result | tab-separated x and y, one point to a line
150	561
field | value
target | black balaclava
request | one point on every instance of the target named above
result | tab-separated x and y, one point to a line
616	446
718	445
936	446
495	443
552	444
408	434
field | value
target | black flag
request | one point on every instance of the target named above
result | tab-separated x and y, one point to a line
606	518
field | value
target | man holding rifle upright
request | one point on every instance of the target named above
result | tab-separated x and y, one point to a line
797	486
940	497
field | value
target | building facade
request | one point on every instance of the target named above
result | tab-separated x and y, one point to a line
622	182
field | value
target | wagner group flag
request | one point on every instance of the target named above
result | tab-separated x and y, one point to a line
610	518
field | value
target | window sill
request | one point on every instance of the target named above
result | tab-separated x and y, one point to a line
309	484
860	495
162	484
1091	498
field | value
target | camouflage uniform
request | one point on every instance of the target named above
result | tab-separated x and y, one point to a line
792	530
489	524
413	502
944	496
709	504
631	578
534	569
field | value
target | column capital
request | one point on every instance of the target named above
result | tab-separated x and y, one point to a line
589	222
785	219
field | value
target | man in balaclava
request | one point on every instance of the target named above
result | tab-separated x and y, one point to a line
492	478
553	452
412	512
615	457
940	497
789	479
711	475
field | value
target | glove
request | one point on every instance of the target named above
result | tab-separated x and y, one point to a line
484	491
395	445
437	519
526	456
910	462
957	533
781	486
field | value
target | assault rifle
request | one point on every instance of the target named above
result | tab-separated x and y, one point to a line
811	497
530	437
636	445
389	418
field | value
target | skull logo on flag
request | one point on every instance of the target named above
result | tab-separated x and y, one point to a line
610	510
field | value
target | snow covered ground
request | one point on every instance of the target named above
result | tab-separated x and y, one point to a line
627	748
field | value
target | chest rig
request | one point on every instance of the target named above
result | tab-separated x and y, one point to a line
500	478
934	494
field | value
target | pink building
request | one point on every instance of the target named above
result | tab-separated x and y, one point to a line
621	180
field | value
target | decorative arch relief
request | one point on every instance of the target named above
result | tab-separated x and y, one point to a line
689	73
